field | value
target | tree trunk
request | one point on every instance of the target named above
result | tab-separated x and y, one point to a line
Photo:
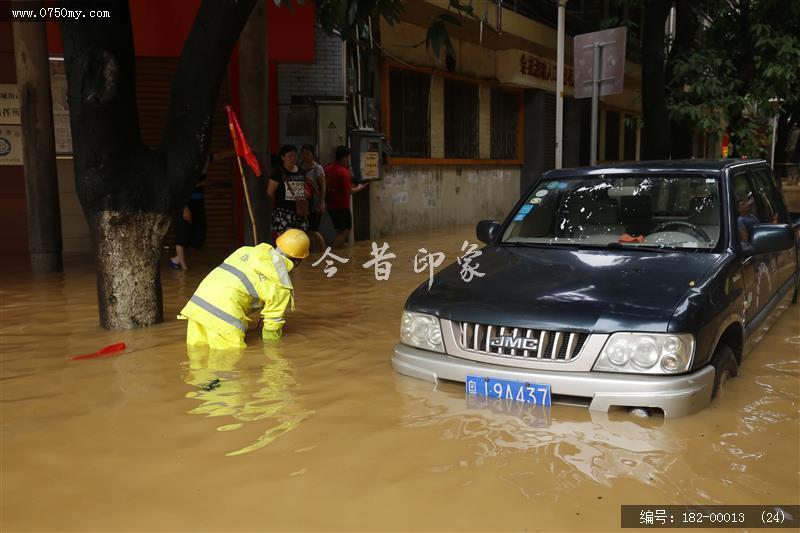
39	154
254	100
655	134
127	247
126	189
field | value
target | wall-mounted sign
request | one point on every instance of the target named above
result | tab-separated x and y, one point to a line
543	69
518	67
61	126
371	169
9	104
10	144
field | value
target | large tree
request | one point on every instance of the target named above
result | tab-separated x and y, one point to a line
127	189
744	64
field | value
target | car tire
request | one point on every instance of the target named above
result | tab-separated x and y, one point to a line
725	366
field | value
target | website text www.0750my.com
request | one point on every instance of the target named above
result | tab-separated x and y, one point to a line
59	13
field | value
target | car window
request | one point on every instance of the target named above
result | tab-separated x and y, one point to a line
649	210
747	209
767	196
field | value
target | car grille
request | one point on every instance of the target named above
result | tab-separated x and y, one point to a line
551	345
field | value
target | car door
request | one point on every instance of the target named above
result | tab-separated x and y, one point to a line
783	262
759	280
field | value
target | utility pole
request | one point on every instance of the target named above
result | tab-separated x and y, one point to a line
38	143
562	5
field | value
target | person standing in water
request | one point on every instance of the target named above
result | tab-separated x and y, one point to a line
340	187
315	177
190	226
287	193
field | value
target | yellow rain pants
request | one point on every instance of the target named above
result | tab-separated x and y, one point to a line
197	334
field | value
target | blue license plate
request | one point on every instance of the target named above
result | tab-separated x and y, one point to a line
534	393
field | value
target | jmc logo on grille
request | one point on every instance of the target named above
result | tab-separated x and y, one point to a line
517	343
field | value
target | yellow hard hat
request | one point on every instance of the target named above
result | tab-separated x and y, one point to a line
294	243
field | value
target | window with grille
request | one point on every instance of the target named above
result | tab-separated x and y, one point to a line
504	124
409	98
460	120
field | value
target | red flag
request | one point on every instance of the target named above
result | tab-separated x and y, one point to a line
240	143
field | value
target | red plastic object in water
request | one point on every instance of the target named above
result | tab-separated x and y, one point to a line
108	351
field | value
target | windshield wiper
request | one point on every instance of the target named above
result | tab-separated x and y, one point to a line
623	246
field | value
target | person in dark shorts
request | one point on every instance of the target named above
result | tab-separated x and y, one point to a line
190	226
339	183
287	193
315	177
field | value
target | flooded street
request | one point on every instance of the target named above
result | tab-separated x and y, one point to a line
317	432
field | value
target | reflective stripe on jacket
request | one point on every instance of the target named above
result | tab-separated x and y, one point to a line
251	277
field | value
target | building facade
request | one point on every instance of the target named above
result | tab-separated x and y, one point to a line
471	130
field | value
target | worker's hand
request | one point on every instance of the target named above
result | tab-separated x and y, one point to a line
321	207
271	335
187	214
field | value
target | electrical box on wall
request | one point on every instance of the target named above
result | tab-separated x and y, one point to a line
331	129
366	159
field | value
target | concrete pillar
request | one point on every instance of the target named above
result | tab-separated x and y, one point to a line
254	100
39	155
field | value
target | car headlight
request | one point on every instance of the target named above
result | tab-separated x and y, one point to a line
646	353
422	331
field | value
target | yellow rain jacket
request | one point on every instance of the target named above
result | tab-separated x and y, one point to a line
251	277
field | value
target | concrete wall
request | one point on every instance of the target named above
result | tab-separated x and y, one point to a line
413	198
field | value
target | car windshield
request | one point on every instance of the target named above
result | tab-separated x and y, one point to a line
621	210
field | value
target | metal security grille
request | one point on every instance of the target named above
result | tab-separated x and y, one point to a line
409	120
504	124
550	345
460	120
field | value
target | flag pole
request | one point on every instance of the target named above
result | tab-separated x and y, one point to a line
244	182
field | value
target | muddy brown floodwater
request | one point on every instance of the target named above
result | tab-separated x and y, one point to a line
317	432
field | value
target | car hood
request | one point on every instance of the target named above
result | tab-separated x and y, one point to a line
597	291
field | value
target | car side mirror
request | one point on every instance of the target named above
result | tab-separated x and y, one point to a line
769	238
487	231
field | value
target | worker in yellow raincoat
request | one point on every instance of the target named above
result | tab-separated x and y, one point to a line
252	277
